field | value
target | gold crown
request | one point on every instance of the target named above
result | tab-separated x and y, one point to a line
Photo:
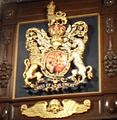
55	18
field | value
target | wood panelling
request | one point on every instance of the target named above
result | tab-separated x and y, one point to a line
109	84
103	104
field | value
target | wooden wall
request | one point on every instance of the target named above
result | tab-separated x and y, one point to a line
104	104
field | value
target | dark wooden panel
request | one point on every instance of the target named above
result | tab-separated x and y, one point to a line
109	83
104	104
95	110
109	6
110	106
4	111
38	11
9	15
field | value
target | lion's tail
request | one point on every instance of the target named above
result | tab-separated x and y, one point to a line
89	68
27	64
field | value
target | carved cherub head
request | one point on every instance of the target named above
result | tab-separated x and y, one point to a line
54	106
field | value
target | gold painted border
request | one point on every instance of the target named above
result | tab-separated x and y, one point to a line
58	95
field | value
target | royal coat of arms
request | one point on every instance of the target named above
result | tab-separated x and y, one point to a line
56	57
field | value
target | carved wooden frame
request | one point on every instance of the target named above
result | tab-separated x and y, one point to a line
56	95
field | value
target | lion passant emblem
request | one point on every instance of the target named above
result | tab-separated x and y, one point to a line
56	58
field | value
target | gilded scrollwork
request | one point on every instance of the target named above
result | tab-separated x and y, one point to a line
55	108
51	54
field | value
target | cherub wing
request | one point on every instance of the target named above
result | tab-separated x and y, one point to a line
38	109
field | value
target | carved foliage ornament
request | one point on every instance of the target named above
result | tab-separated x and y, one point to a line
56	109
5	66
5	73
110	59
51	55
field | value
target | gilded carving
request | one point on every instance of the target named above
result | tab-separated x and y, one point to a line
55	108
50	56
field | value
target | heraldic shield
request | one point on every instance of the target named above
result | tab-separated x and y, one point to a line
56	58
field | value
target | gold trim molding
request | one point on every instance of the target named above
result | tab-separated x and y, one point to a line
55	108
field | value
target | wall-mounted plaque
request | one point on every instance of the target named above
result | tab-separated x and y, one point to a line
59	56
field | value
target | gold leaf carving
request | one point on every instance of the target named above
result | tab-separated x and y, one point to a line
51	54
55	108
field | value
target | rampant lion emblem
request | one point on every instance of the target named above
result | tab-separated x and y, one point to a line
51	54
